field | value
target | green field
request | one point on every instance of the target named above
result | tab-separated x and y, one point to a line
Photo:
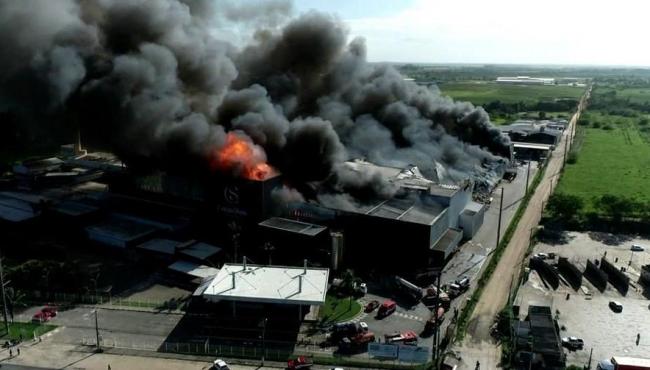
481	93
611	161
27	330
339	309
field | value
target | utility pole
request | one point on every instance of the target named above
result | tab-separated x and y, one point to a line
264	339
500	213
527	176
590	353
4	297
436	333
98	347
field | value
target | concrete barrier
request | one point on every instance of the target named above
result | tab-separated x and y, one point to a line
616	277
596	276
570	272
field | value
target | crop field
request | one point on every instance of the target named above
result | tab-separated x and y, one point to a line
481	93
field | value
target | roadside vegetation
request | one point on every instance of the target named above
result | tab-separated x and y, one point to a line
26	330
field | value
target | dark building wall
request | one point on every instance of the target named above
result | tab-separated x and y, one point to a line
378	243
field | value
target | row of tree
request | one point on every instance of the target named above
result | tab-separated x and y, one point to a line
571	210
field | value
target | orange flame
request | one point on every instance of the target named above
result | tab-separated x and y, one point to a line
243	157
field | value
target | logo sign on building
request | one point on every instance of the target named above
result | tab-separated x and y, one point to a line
382	350
414	354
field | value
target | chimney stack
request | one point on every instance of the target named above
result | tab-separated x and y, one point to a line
304	271
233	279
300	283
244	262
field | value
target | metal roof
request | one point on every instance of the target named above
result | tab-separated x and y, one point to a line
15	210
293	226
194	269
165	246
269	284
518	144
200	250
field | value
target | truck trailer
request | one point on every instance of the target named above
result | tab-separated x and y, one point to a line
624	363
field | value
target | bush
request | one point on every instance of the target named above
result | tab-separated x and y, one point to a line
572	158
596	125
608	127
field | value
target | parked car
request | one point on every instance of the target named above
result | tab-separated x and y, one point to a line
637	248
406	337
389	306
616	306
371	306
573	343
220	364
45	314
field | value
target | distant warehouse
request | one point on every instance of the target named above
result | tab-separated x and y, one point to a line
526	80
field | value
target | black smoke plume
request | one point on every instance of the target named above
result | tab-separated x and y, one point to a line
157	83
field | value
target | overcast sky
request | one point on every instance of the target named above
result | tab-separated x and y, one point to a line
497	31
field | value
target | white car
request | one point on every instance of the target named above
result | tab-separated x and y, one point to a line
637	248
220	364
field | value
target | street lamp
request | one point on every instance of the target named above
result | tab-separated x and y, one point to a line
98	348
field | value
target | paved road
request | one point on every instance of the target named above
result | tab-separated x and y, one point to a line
478	343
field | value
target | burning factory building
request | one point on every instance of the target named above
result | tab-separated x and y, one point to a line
231	136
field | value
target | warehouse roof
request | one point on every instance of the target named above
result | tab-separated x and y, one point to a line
15	210
193	269
118	230
407	210
473	208
200	250
269	284
293	226
164	246
74	208
518	144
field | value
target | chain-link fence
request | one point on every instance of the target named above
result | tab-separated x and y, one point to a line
62	298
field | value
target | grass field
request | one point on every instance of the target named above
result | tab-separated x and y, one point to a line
615	161
339	309
485	92
26	330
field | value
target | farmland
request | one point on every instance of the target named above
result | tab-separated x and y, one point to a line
481	93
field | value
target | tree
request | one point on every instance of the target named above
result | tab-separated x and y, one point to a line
614	206
541	115
565	207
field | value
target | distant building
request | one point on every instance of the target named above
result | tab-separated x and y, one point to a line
525	80
532	132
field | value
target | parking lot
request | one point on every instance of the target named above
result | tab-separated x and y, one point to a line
586	313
